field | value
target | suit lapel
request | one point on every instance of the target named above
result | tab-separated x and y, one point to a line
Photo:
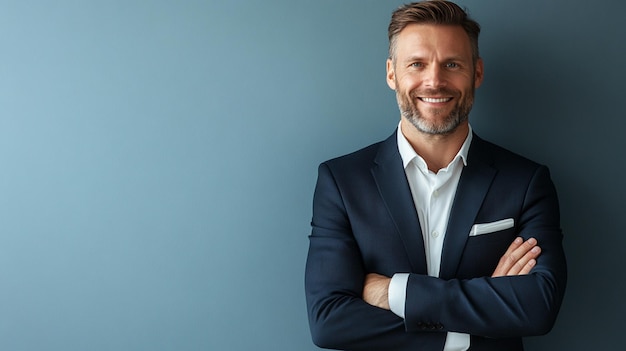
473	185
394	189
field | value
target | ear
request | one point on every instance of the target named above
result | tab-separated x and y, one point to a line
391	75
479	72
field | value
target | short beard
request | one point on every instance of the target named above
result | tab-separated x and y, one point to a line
409	110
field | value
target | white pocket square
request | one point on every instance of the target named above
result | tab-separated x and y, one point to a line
486	228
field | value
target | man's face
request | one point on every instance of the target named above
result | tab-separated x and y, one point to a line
434	76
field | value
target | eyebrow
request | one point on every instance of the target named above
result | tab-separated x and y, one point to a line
448	58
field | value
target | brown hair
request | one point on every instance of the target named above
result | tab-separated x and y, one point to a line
432	12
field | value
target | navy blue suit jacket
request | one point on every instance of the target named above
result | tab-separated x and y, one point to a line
364	221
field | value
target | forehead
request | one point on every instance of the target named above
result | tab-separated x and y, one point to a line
429	39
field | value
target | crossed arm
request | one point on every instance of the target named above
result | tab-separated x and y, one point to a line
519	259
520	297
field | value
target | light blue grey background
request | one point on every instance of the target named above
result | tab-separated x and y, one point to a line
158	158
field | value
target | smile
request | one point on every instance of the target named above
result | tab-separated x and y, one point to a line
435	100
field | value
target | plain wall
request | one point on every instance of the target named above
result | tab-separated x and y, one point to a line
158	158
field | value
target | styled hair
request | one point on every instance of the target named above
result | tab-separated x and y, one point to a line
432	12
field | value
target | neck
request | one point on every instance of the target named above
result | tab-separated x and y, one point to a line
437	150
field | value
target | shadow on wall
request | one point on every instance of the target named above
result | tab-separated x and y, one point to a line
538	101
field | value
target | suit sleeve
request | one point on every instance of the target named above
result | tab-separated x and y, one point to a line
513	306
338	316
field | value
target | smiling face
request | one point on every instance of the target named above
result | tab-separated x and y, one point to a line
434	76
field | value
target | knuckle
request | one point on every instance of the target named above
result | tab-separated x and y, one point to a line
511	259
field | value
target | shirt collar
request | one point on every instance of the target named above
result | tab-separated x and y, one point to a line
408	154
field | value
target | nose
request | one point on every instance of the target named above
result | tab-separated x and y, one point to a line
434	77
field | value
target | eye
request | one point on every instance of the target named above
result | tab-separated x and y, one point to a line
452	65
416	65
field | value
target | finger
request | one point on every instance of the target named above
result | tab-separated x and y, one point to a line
520	252
526	262
516	251
514	246
523	249
509	258
528	267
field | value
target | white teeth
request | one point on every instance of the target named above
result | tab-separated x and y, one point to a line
435	100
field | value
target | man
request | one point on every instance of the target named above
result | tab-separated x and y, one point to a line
433	239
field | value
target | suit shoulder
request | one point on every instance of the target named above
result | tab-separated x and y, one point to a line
503	156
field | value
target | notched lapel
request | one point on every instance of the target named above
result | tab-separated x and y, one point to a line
473	186
395	192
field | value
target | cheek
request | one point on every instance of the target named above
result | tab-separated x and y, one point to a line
465	84
407	85
406	78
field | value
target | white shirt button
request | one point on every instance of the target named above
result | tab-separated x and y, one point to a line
435	234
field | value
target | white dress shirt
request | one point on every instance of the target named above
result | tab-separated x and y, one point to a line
433	195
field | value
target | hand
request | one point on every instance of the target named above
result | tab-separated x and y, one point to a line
375	290
519	259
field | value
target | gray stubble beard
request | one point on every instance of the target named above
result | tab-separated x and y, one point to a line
458	115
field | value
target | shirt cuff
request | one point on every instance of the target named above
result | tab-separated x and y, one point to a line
397	293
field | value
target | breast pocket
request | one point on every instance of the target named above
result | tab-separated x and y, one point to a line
482	253
491	227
